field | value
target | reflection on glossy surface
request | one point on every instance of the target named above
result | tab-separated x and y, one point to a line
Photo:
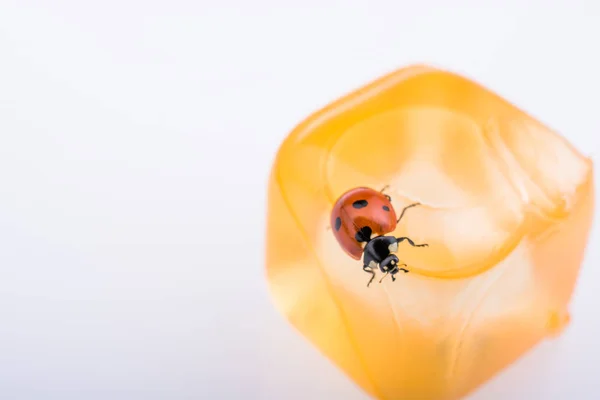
507	206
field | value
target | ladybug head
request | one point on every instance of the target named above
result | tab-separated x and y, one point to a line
357	215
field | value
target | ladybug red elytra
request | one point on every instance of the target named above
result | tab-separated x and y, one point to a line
361	218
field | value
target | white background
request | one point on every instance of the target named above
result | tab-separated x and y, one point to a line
136	139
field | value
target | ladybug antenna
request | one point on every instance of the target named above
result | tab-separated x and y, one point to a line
364	234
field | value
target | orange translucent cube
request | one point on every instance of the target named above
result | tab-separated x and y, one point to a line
506	210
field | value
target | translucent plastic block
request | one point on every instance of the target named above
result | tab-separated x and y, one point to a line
506	210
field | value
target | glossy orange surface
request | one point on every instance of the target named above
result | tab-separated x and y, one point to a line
507	207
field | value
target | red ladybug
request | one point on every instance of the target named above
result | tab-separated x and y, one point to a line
361	213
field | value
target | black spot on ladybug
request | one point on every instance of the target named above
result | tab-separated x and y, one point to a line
360	204
364	234
386	208
338	223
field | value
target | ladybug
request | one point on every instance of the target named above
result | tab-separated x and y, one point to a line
361	219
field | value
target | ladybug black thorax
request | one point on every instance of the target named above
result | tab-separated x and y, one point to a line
378	248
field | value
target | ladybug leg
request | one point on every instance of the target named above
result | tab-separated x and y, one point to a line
398	269
402	239
406	208
368	269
